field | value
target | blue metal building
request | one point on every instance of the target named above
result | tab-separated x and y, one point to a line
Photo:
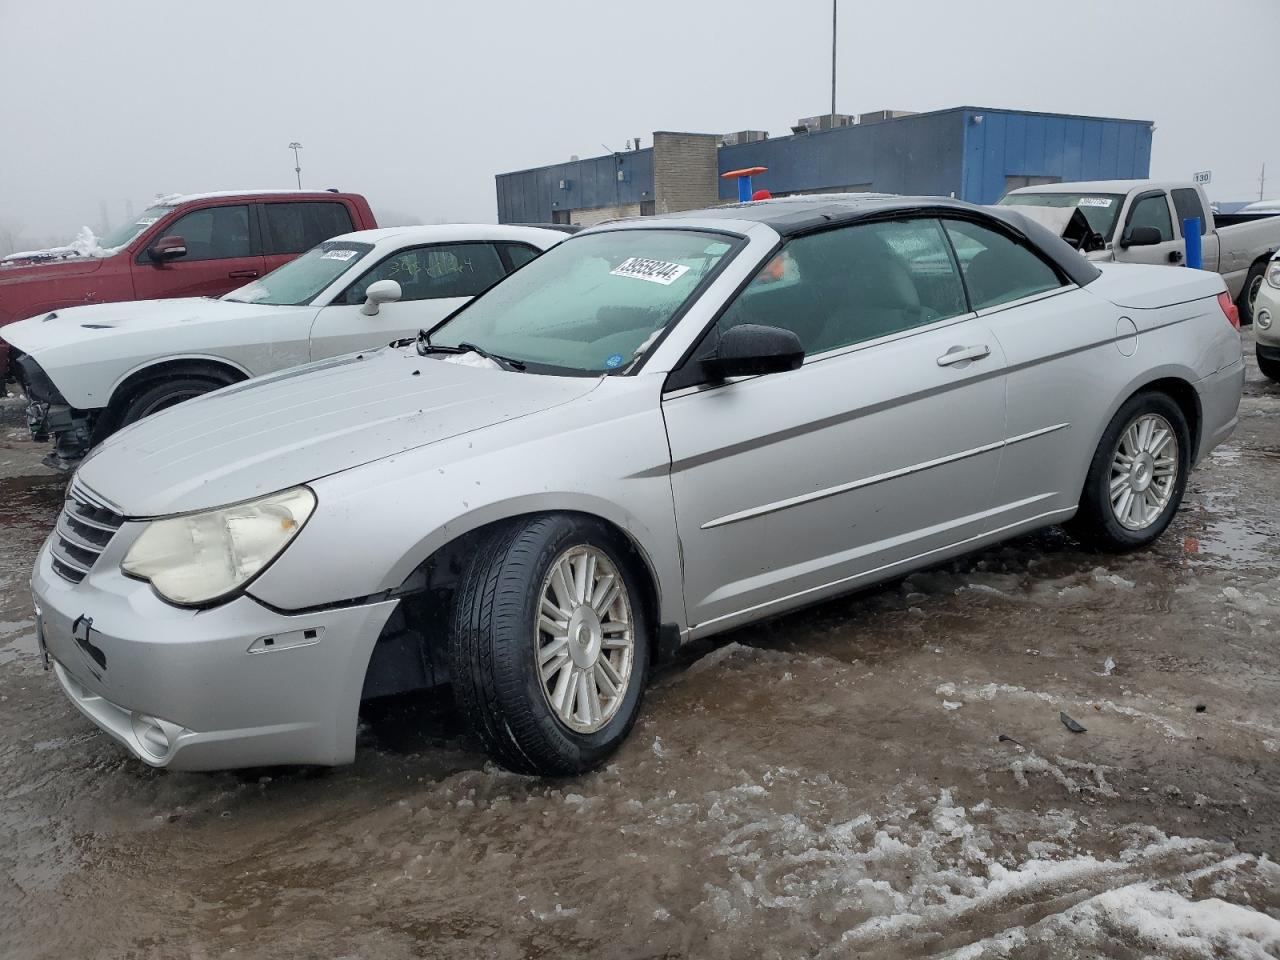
974	153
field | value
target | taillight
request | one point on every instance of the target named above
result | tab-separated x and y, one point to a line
1229	308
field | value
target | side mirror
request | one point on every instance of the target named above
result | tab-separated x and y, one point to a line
167	248
1141	237
752	349
380	292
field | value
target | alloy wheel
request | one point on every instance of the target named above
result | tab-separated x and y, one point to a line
1144	471
586	638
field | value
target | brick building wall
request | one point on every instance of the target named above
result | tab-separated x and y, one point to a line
590	216
685	171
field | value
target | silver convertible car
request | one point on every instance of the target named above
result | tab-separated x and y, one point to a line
656	431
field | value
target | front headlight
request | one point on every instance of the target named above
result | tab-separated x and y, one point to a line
1273	273
201	557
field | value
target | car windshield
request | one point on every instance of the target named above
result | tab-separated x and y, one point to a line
592	304
124	233
302	280
1100	209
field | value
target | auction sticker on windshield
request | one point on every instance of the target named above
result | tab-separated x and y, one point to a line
655	271
1094	202
338	254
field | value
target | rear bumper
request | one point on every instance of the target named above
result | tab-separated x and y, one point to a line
1219	406
201	690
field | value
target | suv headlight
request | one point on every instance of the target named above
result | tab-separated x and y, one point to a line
1273	273
202	557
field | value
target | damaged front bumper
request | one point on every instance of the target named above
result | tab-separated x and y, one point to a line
50	416
238	685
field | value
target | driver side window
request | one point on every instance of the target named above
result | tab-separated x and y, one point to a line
1152	211
214	233
434	272
851	284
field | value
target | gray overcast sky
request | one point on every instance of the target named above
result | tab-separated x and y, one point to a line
417	105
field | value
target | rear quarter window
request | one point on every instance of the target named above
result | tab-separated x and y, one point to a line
1187	204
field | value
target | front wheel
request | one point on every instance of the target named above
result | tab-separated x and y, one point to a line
1269	368
1137	476
163	395
549	648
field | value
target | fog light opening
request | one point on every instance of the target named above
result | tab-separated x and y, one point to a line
152	736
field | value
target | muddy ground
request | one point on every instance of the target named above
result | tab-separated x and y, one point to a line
832	783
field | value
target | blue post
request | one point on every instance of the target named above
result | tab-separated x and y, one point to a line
744	189
1191	233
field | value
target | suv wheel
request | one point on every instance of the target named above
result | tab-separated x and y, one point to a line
1137	476
549	650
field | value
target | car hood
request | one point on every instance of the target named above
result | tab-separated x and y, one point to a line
23	271
292	427
83	325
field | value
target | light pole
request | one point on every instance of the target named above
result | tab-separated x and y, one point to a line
295	146
833	64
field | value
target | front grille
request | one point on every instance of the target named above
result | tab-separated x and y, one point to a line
85	527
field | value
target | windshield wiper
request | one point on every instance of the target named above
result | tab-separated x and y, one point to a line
425	346
497	358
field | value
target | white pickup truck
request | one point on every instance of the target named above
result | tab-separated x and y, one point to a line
1140	221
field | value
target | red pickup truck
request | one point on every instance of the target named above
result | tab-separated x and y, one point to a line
192	245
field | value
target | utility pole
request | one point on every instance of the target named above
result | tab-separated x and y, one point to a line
833	64
1262	180
295	146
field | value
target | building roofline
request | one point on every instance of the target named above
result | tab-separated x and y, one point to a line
967	108
565	163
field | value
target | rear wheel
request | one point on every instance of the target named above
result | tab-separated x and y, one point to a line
1249	293
164	394
1137	476
549	649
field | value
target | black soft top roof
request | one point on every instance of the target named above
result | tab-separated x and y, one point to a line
793	216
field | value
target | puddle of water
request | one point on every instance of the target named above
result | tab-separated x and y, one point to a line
1240	542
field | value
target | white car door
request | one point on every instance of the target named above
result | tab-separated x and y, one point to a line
1150	209
435	279
881	448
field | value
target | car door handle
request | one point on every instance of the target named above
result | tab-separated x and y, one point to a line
961	354
242	274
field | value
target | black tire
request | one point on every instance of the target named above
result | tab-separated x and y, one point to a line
1095	523
1243	302
1269	368
164	394
493	647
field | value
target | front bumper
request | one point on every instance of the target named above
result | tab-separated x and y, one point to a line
203	690
1268	352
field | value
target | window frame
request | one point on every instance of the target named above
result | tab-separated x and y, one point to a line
339	298
265	225
687	377
1133	205
143	257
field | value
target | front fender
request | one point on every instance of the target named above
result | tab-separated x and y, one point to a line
375	524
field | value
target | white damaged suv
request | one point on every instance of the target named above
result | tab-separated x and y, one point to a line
656	431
